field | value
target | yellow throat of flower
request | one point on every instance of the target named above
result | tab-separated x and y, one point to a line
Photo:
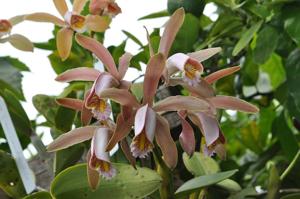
190	71
142	142
102	106
77	21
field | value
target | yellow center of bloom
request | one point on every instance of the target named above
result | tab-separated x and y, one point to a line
102	106
104	166
142	142
77	21
190	71
5	26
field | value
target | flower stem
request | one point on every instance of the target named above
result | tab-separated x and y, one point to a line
290	167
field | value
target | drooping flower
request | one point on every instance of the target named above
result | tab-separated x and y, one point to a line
16	40
104	7
72	21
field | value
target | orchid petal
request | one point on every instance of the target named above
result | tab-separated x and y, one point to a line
187	138
150	124
97	6
104	81
123	128
140	119
120	96
220	74
233	103
100	51
72	137
93	176
45	17
61	7
86	114
64	42
165	142
124	62
175	103
97	23
179	60
153	73
171	30
126	150
78	74
99	142
16	19
20	42
205	54
125	84
209	127
71	103
78	5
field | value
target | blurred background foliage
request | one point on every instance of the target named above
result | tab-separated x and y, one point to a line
261	36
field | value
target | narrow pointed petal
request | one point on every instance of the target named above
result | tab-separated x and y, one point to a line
97	23
71	103
72	137
45	17
61	7
187	138
120	96
220	74
78	5
140	119
151	51
165	142
205	54
209	127
176	103
126	150
16	19
93	176
233	103
153	73
171	30
100	51
78	74
20	42
104	81
64	42
86	114
123	128
124	63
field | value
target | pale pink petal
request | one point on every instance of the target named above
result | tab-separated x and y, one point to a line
140	119
78	74
125	84
20	42
126	150
86	114
233	103
71	103
179	60
120	96
104	81
170	32
99	142
150	124
97	23
124	62
64	42
209	127
72	137
205	54
187	138
153	73
220	74
165	142
100	51
176	103
45	17
78	5
61	6
93	176
97	6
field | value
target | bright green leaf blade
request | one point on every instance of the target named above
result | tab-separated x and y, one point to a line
39	195
291	196
244	193
246	38
273	183
137	90
17	63
230	185
203	181
129	183
154	15
133	38
292	25
194	7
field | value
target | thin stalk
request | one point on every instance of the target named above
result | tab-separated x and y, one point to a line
290	167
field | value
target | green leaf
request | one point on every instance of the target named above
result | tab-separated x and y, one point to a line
16	63
163	13
274	68
194	7
291	196
133	38
230	185
250	70
39	195
137	90
273	183
198	183
129	183
244	193
64	118
265	44
246	38
292	24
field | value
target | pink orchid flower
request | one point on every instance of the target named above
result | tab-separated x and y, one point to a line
16	40
104	7
72	21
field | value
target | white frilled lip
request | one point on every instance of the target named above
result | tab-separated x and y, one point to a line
145	118
68	20
99	142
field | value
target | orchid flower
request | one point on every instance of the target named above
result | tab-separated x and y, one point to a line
72	21
16	40
104	7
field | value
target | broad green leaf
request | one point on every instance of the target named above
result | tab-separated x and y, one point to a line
133	38
128	183
137	90
292	24
117	51
230	185
16	63
249	136
250	70
50	45
291	196
273	183
274	68
266	117
163	13
200	182
194	7
244	193
39	195
246	38
265	44
259	10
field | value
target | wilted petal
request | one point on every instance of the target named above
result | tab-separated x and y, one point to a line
170	32
20	42
187	138
97	23
71	103
120	96
124	62
78	74
176	103
100	51
17	19
78	5
64	42
233	103
45	17
93	176
153	73
220	74
165	142
61	7
209	127
72	137
205	54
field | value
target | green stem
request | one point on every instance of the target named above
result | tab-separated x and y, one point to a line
290	167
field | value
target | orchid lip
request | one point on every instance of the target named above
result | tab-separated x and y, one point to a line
5	27
76	22
141	145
